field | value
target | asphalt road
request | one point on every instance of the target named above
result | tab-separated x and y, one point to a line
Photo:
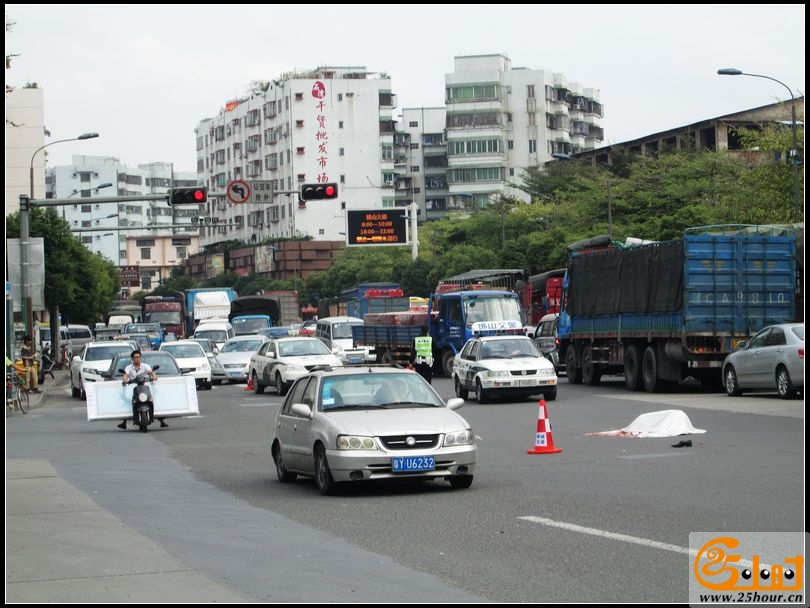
606	520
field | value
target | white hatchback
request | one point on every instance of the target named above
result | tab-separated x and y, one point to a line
192	360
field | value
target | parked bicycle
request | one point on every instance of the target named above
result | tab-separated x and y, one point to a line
16	395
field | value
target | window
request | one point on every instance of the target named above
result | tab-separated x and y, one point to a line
87	208
414	146
299	123
413	123
299	150
340	124
510	144
341	151
530	90
414	168
146	254
302	177
511	171
532	146
340	96
299	96
182	253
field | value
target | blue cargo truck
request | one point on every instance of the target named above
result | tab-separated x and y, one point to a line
662	312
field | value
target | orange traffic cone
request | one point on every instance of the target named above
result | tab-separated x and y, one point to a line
543	440
249	386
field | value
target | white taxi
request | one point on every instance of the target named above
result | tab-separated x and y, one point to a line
503	363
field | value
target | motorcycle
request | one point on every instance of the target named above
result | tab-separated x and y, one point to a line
143	407
47	365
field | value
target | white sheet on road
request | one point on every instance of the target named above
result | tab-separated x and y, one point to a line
173	396
664	423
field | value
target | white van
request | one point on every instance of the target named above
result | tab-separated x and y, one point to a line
79	336
220	331
336	333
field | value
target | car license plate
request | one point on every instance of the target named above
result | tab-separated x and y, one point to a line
234	374
355	359
409	464
527	382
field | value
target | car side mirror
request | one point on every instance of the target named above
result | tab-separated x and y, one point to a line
301	409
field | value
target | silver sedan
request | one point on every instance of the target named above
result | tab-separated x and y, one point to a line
772	360
370	423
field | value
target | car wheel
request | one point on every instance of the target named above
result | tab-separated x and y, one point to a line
572	369
284	476
74	392
731	383
323	476
217	382
550	395
460	482
632	369
208	386
480	393
280	386
460	390
590	370
258	387
784	385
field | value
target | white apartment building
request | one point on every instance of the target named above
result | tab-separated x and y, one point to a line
331	124
114	229
25	133
501	120
420	161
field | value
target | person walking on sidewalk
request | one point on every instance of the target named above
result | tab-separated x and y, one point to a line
29	356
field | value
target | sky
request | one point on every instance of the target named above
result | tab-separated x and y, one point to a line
144	75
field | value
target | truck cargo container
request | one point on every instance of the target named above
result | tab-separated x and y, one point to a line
663	312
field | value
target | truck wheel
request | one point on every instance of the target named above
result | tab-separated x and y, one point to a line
649	370
572	369
447	363
590	370
632	369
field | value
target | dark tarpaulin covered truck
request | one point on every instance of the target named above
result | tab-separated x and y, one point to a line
246	311
663	312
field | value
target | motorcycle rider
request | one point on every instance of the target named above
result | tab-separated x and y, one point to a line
133	370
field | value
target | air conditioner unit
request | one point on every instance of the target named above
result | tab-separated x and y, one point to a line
389	183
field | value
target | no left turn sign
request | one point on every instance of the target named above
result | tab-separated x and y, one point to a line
239	191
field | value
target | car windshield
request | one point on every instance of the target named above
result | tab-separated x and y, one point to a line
509	349
184	351
491	309
343	330
205	345
249	325
242	346
302	348
217	335
105	353
376	391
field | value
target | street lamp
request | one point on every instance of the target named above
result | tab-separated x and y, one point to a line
794	152
25	250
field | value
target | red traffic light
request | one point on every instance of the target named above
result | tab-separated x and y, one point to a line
188	196
315	192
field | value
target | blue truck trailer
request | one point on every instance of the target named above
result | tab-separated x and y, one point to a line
662	312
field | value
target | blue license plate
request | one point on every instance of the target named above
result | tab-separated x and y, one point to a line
355	360
234	374
410	464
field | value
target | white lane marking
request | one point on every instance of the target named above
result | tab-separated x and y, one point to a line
662	455
257	404
644	542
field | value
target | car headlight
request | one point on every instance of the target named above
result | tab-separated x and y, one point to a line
464	437
205	367
496	373
355	442
296	368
